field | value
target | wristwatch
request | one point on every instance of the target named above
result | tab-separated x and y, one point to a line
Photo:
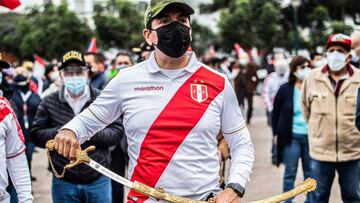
239	190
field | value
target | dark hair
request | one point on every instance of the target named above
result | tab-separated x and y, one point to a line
98	57
223	59
124	53
295	62
313	54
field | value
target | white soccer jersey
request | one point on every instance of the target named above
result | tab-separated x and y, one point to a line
171	126
12	156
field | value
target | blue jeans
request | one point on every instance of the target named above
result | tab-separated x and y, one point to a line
349	180
298	148
98	191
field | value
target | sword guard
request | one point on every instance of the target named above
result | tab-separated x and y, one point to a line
81	157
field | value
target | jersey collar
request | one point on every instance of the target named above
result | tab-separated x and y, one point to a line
153	67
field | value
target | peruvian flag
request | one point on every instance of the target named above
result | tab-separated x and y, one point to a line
92	46
11	4
39	72
239	51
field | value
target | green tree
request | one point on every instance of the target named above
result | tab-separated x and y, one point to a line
340	27
119	24
7	28
251	23
318	30
201	36
49	31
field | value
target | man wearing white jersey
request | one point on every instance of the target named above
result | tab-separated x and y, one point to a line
173	107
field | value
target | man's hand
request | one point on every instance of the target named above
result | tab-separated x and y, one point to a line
228	196
66	144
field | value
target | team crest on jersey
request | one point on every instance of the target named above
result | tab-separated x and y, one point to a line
198	92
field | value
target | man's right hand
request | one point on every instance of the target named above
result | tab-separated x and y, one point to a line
66	144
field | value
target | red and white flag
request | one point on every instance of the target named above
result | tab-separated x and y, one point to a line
11	4
39	60
39	71
239	51
92	46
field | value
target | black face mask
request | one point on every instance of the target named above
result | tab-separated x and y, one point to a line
173	39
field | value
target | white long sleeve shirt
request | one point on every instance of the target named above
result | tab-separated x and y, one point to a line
12	156
171	124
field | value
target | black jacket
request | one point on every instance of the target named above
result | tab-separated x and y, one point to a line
52	114
282	116
32	105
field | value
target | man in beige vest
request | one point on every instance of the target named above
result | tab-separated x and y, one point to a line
329	106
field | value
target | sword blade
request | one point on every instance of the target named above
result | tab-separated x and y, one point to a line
101	169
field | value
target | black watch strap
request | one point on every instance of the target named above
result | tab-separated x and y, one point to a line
240	190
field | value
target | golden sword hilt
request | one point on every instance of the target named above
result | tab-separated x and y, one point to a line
308	185
81	157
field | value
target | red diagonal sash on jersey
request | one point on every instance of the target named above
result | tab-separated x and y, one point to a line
171	127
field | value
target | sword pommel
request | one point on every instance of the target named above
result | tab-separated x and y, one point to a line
81	157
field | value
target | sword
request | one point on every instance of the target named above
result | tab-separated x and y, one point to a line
158	193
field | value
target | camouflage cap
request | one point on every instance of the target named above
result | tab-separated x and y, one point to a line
156	6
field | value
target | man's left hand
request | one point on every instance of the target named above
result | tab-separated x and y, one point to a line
227	196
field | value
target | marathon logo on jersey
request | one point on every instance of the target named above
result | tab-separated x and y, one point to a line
148	88
199	92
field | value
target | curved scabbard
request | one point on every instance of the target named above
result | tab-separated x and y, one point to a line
159	194
308	185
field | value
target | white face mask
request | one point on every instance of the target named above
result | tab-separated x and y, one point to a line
302	73
336	60
354	58
320	63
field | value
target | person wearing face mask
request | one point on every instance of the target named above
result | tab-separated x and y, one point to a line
122	60
81	184
317	60
289	126
96	63
225	65
270	87
26	103
173	107
329	106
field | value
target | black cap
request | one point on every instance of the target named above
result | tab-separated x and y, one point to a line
72	57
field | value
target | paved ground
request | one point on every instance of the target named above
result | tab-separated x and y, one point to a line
266	180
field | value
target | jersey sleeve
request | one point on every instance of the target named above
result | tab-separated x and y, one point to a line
101	113
231	118
14	143
233	127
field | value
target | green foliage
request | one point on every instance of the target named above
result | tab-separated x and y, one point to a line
7	28
48	31
251	23
318	30
119	24
340	27
267	25
201	36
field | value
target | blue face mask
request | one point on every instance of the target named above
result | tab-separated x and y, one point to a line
75	85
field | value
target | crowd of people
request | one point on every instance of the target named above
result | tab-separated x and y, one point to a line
125	106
